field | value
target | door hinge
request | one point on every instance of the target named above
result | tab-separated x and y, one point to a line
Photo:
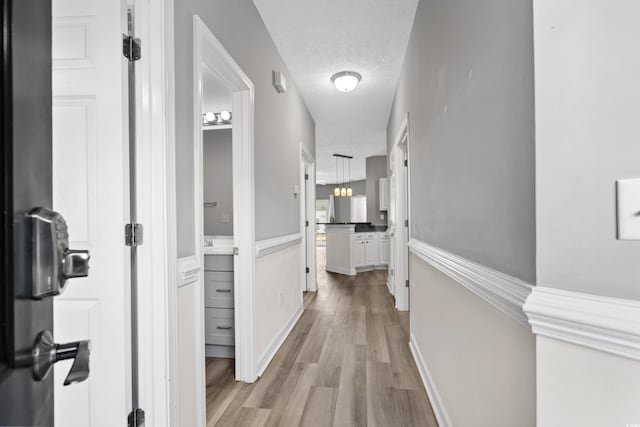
307	270
306	176
306	223
135	418
133	235
131	48
406	162
406	222
406	283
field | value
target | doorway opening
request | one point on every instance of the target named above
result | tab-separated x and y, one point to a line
215	314
399	218
309	280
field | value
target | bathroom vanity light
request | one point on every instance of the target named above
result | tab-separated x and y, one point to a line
346	81
216	119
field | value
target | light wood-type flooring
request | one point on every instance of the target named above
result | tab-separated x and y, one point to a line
346	363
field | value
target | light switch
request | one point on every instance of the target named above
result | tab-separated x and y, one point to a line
225	217
628	196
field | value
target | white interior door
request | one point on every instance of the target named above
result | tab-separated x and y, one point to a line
90	190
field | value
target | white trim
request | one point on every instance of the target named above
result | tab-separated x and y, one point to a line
307	210
398	207
611	325
341	270
187	270
155	166
210	53
427	379
278	340
269	246
506	293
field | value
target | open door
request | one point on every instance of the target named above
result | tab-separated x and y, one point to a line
36	259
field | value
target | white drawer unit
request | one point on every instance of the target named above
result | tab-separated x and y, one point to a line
218	263
219	302
218	289
219	326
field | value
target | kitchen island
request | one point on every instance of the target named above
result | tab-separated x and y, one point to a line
356	247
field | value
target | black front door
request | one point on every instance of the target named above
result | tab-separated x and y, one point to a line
26	184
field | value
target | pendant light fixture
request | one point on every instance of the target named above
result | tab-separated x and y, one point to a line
336	191
349	190
341	189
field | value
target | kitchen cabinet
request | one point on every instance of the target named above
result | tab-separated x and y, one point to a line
349	252
371	251
358	246
383	194
385	246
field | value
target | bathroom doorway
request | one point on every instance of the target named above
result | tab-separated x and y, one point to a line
216	285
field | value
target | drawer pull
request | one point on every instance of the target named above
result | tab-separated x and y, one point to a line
223	327
223	290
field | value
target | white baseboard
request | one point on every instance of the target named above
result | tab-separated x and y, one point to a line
341	270
276	343
434	397
611	325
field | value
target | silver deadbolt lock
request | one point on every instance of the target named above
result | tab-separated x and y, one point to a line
53	261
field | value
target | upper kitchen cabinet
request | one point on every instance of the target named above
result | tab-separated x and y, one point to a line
383	192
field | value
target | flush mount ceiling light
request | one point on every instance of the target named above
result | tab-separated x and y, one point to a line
346	81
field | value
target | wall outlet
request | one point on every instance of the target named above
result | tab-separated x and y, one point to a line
628	198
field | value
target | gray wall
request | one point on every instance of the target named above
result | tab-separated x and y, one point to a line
282	121
342	204
467	82
218	182
376	168
588	136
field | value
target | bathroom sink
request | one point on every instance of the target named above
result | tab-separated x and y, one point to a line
218	245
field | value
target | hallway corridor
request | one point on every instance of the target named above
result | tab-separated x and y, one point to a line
346	363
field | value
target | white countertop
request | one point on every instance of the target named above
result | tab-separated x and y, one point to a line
218	245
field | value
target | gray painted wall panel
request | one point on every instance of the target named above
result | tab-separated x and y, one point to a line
217	171
588	136
467	83
342	204
282	121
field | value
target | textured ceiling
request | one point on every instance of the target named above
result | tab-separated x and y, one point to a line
319	38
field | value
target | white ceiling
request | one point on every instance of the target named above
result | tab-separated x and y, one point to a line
319	38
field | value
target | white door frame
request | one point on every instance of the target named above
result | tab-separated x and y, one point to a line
157	292
209	52
309	281
399	202
159	267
